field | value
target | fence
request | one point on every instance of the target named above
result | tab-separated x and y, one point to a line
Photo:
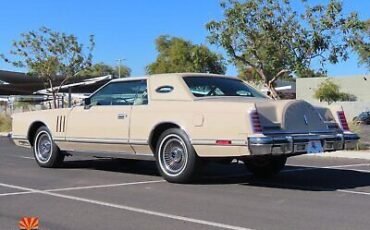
16	104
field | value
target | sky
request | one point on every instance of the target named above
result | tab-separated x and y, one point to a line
127	29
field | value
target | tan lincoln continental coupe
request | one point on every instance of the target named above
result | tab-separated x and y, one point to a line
183	120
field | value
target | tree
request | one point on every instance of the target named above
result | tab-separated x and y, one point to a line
122	71
52	56
275	40
178	55
362	46
330	92
102	69
248	74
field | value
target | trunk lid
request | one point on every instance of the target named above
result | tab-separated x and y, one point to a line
291	116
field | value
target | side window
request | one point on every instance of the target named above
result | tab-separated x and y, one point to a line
142	94
121	93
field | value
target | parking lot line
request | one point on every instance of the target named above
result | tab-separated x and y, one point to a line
23	157
30	158
104	186
15	193
341	167
336	166
84	187
354	192
131	209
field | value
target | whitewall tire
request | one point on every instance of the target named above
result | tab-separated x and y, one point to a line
46	152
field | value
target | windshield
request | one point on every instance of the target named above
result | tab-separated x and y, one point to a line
219	86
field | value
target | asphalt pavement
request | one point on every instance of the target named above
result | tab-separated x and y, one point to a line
312	192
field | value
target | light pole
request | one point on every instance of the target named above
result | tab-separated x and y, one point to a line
119	60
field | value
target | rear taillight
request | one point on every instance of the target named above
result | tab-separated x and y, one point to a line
343	121
255	122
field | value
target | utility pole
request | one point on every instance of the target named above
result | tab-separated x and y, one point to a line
119	60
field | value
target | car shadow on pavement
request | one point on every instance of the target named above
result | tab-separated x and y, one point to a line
316	180
139	167
301	178
293	177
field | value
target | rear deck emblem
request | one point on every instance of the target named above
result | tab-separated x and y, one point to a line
305	119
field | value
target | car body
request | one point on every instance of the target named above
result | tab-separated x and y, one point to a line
191	116
363	118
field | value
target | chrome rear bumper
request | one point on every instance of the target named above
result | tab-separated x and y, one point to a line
298	143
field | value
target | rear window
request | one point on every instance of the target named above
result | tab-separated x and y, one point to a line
218	86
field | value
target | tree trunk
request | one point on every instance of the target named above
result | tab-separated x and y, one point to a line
269	84
53	94
273	93
54	100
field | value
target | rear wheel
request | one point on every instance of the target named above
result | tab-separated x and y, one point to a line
47	153
265	167
176	158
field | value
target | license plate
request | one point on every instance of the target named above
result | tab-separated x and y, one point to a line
314	147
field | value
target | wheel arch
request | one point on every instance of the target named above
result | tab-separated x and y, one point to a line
159	129
33	129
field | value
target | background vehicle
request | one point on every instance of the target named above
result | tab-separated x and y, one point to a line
363	118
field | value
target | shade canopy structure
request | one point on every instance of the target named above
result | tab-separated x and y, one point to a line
17	83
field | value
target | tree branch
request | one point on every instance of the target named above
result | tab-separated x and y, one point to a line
246	62
281	72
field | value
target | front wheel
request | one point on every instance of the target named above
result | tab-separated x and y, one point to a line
265	167
47	153
176	158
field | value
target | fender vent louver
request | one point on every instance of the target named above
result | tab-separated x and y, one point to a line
61	124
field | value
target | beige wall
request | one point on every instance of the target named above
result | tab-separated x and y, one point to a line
356	85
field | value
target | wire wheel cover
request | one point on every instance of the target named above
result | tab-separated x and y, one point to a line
43	147
173	155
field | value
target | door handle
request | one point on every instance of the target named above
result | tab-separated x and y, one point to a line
121	115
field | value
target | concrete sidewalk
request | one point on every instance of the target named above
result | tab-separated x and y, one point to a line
2	134
363	154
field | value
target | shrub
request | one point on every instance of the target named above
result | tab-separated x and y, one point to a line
330	92
5	123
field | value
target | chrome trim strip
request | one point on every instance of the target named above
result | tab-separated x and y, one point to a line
234	142
19	137
105	154
104	140
295	133
138	142
98	140
59	138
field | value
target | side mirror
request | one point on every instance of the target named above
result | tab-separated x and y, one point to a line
87	103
